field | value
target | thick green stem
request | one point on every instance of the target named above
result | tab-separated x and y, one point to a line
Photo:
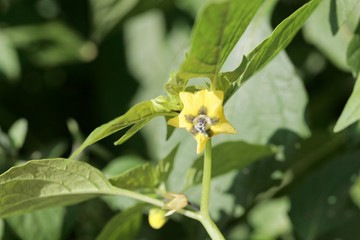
205	219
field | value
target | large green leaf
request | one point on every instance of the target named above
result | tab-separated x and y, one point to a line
276	42
9	62
331	27
353	51
351	112
1	228
227	157
124	225
146	175
49	182
217	29
44	224
321	202
138	114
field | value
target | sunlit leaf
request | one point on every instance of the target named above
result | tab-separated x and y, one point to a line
227	157
351	112
167	45
9	62
216	31
270	219
49	182
330	29
144	111
17	132
42	225
321	203
124	225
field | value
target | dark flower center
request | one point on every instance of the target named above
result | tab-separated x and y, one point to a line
202	122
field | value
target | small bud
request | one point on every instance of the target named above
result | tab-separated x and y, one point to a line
157	218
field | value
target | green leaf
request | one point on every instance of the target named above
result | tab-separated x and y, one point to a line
351	112
9	62
270	219
146	175
63	45
227	157
216	31
353	51
49	182
143	176
124	225
44	224
276	42
144	111
355	192
331	27
134	129
122	164
17	132
321	203
1	228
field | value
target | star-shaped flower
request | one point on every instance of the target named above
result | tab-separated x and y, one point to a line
202	115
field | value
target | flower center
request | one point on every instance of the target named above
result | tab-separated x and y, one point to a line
202	123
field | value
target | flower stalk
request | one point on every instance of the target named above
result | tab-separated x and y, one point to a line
205	219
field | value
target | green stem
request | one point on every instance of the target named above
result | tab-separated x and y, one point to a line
205	218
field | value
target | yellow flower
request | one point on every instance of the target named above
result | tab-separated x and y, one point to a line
202	115
157	218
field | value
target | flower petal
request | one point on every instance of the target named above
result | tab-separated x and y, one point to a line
222	127
190	102
213	103
174	121
201	140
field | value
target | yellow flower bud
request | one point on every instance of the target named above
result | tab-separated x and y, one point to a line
157	218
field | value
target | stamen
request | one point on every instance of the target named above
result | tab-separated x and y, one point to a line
189	118
202	124
202	111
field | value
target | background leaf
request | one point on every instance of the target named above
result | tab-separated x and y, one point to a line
9	62
52	44
331	28
17	132
351	112
228	156
321	204
124	225
44	224
355	192
49	182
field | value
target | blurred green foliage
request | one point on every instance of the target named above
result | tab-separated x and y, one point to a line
67	67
